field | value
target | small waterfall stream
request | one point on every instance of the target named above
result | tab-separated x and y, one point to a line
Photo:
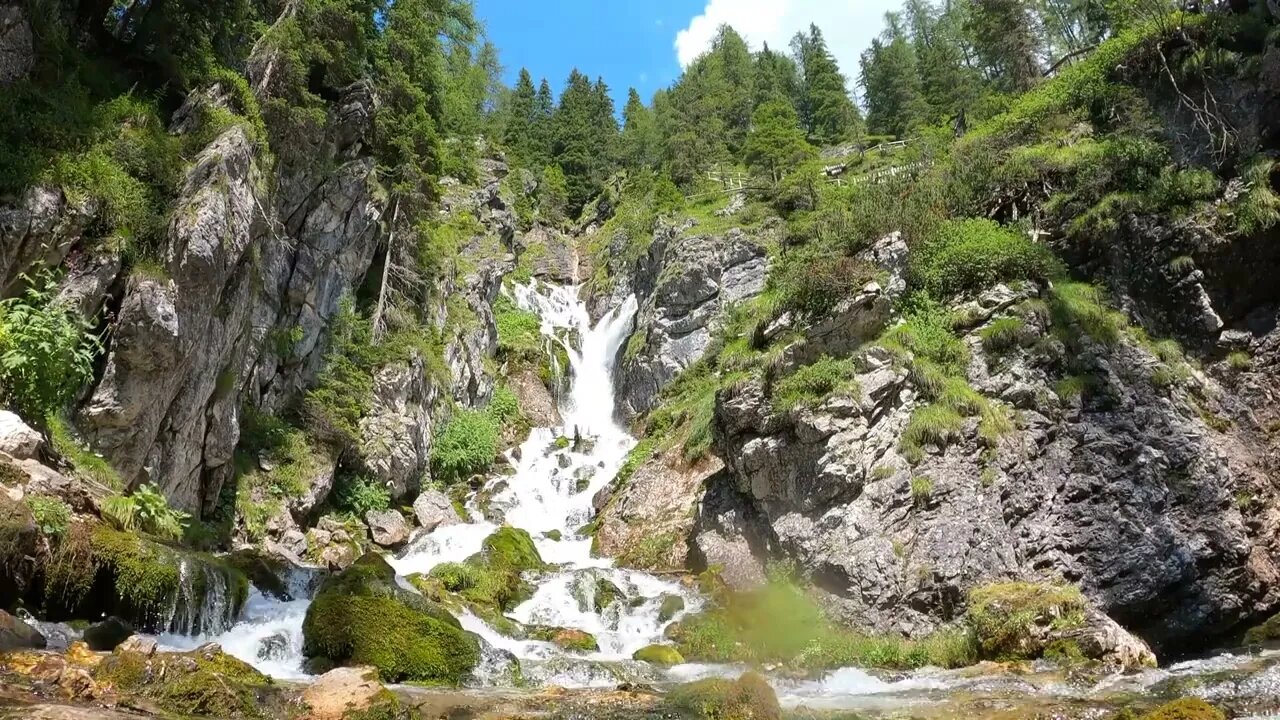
550	493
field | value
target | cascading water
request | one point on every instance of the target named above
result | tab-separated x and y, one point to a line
557	473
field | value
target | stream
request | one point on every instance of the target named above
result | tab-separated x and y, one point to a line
550	493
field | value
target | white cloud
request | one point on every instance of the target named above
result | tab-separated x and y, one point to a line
847	25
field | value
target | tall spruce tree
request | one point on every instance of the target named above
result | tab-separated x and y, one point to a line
639	141
891	84
826	110
776	144
518	132
776	78
1007	39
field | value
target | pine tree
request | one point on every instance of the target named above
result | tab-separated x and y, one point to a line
732	72
584	136
776	144
948	83
639	142
1004	34
518	133
776	78
543	131
826	110
891	84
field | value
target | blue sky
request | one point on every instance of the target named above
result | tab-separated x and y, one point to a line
645	44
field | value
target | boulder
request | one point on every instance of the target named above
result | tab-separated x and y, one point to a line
750	696
17	53
140	645
660	655
205	681
17	635
104	636
343	692
434	509
17	439
362	616
570	639
387	528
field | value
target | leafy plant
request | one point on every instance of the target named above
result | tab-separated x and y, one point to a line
145	510
358	494
811	384
52	515
46	349
467	445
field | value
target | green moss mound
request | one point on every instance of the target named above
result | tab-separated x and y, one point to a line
662	655
1013	620
362	617
512	549
1185	709
204	682
1268	631
748	698
671	606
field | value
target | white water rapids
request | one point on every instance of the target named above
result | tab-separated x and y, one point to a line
550	495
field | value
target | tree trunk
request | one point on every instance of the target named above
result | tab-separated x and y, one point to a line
380	310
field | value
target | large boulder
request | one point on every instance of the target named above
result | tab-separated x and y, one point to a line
17	439
387	528
362	616
205	681
347	691
17	635
434	509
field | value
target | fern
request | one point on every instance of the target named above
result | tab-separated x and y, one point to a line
146	510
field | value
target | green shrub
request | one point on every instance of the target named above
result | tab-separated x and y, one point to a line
811	384
927	333
520	337
467	445
1240	361
46	350
921	489
971	255
146	510
811	281
358	494
52	515
1079	308
1258	209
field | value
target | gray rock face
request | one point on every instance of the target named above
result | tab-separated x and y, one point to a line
39	229
433	509
1128	494
396	435
388	528
17	54
684	285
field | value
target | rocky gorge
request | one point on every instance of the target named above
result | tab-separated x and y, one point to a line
329	443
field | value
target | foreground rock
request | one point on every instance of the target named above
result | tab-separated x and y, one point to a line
339	693
17	635
361	616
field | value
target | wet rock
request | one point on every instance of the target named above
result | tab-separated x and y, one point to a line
205	681
434	509
660	655
273	647
17	439
571	639
387	528
338	557
671	606
17	635
750	696
647	523
104	636
536	401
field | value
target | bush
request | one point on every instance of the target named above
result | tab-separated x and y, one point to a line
520	336
52	515
358	494
927	333
1003	335
46	350
921	489
811	384
1080	309
467	445
933	425
146	510
972	255
811	281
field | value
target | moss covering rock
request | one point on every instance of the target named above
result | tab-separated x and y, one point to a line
1021	620
204	682
361	616
748	698
671	606
1185	709
512	549
662	655
570	639
1268	631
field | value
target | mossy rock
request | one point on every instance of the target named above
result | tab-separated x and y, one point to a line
554	535
362	617
750	697
479	581
661	655
204	682
570	639
1185	709
671	606
267	574
512	549
20	540
1268	631
97	570
1018	620
705	637
606	594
